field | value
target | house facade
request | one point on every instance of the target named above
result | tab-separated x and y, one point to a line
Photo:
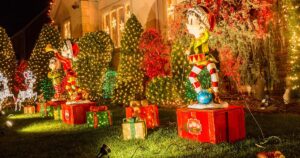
74	18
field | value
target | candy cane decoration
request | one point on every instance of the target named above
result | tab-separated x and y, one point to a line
211	67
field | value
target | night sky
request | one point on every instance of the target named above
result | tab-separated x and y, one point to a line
15	15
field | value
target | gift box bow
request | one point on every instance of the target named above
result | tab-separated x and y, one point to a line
98	108
138	103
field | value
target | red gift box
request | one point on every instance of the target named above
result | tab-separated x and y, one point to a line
98	108
212	126
147	113
56	103
76	113
38	107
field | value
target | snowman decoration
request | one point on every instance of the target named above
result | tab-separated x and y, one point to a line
198	55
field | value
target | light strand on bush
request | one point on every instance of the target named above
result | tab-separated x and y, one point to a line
162	91
7	58
39	59
93	61
109	84
291	11
130	76
46	87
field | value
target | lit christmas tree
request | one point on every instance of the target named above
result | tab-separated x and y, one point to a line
7	58
39	59
93	61
291	10
130	76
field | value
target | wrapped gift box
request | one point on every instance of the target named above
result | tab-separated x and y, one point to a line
57	112
148	113
48	109
41	108
29	109
134	129
212	126
76	113
55	104
99	118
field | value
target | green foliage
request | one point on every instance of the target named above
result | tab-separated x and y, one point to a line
180	64
162	91
39	59
291	11
109	84
7	58
190	93
46	87
93	61
130	76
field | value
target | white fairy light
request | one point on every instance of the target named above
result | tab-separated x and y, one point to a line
28	93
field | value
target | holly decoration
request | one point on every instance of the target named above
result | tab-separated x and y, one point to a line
156	54
19	79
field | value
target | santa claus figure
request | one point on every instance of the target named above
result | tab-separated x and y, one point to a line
68	54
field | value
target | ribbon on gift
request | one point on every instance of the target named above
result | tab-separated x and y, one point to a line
98	108
131	121
101	118
58	109
95	118
138	103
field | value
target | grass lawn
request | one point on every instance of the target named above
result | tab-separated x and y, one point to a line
34	136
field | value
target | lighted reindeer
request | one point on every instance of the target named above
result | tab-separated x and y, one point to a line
28	93
4	93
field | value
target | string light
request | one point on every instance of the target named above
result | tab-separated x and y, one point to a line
93	61
130	76
7	58
51	2
39	59
292	19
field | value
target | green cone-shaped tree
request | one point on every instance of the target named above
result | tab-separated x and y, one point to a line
39	59
130	76
7	58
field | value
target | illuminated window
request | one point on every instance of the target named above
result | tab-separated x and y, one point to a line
170	12
67	29
114	23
